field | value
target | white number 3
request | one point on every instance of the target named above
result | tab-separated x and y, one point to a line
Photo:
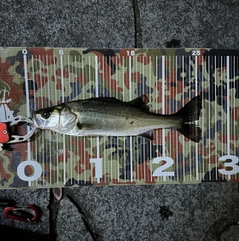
233	165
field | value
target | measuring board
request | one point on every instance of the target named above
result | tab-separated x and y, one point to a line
34	78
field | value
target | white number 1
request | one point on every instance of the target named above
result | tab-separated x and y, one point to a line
98	168
130	53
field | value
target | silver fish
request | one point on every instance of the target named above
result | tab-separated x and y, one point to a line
107	116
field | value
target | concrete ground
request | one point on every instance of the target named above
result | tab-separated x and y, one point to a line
195	212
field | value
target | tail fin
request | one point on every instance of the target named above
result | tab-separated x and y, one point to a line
191	131
190	112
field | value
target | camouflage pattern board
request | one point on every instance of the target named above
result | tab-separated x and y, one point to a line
34	78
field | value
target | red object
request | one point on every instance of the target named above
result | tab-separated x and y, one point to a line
4	135
21	214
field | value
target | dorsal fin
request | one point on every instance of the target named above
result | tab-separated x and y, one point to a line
140	102
147	135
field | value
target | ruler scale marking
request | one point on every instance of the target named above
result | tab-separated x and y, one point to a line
196	92
130	139
234	105
234	114
144	141
163	106
209	124
123	170
185	146
157	106
84	138
215	102
228	109
56	134
224	127
36	145
182	98
117	138
70	138
63	100
171	62
49	102
24	52
150	151
43	134
91	138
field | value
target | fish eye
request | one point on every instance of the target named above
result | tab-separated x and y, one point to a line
46	114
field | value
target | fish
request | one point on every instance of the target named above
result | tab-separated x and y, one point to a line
108	116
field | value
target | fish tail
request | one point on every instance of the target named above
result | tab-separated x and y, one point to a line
191	131
190	112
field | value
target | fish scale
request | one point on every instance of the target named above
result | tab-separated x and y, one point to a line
166	78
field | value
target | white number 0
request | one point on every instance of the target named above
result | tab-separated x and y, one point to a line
21	171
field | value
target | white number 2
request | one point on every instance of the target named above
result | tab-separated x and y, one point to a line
196	52
160	171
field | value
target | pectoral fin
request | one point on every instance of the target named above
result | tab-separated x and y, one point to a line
89	126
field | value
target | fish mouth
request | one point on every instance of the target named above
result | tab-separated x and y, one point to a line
35	122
